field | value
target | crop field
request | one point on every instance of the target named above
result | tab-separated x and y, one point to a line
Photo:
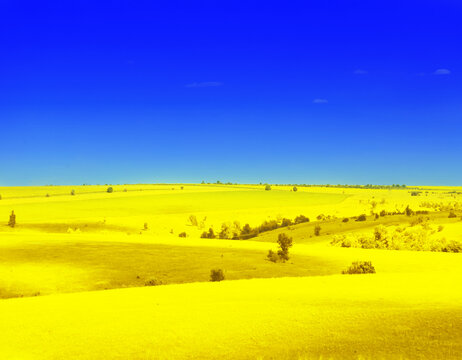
123	272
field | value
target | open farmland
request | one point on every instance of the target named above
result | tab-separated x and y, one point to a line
97	274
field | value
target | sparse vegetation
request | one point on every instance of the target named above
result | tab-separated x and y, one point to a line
360	267
153	282
317	230
12	221
217	275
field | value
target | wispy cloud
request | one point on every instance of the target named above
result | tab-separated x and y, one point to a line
320	101
442	72
360	72
204	84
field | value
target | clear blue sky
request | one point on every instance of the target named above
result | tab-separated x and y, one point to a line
283	92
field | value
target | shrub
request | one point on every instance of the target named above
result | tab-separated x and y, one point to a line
286	222
208	235
360	267
110	189
285	242
267	187
294	188
317	230
452	215
0	197
12	221
408	211
72	192
153	282
217	275
345	220
47	195
182	234
145	226
193	220
383	213
272	256
301	219
361	217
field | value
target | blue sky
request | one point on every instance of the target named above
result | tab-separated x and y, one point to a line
283	92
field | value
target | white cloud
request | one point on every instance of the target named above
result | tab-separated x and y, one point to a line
442	72
320	101
360	72
204	84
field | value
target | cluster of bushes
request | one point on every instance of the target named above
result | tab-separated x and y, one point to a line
284	242
441	206
360	267
235	232
421	237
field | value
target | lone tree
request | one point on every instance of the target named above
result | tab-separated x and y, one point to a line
217	275
110	189
294	188
12	221
285	242
267	187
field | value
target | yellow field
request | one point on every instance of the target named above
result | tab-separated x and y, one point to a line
64	247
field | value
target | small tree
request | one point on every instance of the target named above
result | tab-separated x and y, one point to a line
272	256
285	242
217	275
294	188
267	187
110	189
72	192
12	222
317	230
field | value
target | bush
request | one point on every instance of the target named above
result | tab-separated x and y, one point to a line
362	217
72	192
145	226
208	235
383	213
294	188
110	189
182	234
301	219
267	187
360	267
317	230
153	282
408	211
217	275
286	222
12	221
345	220
272	256
452	215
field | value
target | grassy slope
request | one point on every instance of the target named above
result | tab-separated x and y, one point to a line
405	316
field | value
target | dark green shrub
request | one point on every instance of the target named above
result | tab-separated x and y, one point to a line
301	219
294	188
408	211
182	234
317	230
217	275
72	192
145	226
267	187
345	220
383	213
208	235
362	217
272	256
110	189
12	221
286	222
193	220
360	267
452	215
